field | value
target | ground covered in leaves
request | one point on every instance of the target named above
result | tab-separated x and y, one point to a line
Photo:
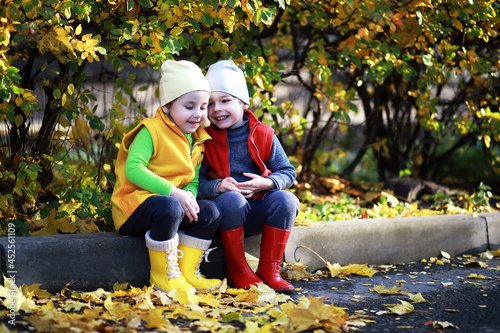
334	198
440	294
336	299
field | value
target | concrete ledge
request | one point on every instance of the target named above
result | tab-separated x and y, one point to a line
91	261
493	223
86	261
390	240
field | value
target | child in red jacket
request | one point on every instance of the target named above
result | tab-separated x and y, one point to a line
246	171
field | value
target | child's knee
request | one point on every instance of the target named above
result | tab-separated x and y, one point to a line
288	202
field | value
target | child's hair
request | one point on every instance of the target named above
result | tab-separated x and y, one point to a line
179	78
226	77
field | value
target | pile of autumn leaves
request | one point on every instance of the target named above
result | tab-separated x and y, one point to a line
131	309
259	309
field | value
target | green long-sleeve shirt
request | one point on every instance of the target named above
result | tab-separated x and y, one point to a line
137	172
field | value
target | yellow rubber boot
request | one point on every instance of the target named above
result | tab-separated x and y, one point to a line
195	250
165	274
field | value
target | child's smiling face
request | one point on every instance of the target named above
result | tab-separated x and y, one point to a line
189	111
224	110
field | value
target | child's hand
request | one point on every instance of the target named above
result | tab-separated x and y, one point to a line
188	203
255	185
228	184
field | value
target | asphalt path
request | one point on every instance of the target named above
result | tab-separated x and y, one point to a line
461	295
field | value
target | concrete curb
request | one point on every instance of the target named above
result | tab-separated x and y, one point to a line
91	261
393	240
86	261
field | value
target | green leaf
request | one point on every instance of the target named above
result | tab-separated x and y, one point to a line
102	50
197	38
16	90
207	19
130	4
57	93
117	63
96	123
19	120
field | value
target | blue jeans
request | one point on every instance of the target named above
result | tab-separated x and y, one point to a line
164	216
277	209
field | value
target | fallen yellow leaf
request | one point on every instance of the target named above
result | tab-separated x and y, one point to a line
476	276
403	308
443	324
296	272
35	291
116	309
343	271
417	298
393	290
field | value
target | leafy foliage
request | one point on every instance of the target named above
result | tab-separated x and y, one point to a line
422	75
46	50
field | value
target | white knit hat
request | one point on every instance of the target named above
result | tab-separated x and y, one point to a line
179	78
225	76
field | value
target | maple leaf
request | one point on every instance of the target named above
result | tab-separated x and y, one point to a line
393	290
74	306
155	319
65	226
281	318
49	227
313	313
92	296
476	276
475	263
403	308
183	297
417	298
296	272
14	297
443	324
250	295
344	271
209	299
267	294
208	324
116	309
143	301
194	314
133	320
120	286
161	297
34	290
87	226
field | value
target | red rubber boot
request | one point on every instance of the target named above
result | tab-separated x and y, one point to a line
238	272
272	248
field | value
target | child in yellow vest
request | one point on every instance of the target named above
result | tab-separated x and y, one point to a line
157	182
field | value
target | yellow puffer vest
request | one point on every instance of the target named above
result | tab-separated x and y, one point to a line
172	159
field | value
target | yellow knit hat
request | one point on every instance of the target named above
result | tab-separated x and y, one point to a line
179	78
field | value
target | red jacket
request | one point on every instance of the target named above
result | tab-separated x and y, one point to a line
260	143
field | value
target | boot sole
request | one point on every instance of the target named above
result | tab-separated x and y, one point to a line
192	291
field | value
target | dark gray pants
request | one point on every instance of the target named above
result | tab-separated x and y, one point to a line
164	216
